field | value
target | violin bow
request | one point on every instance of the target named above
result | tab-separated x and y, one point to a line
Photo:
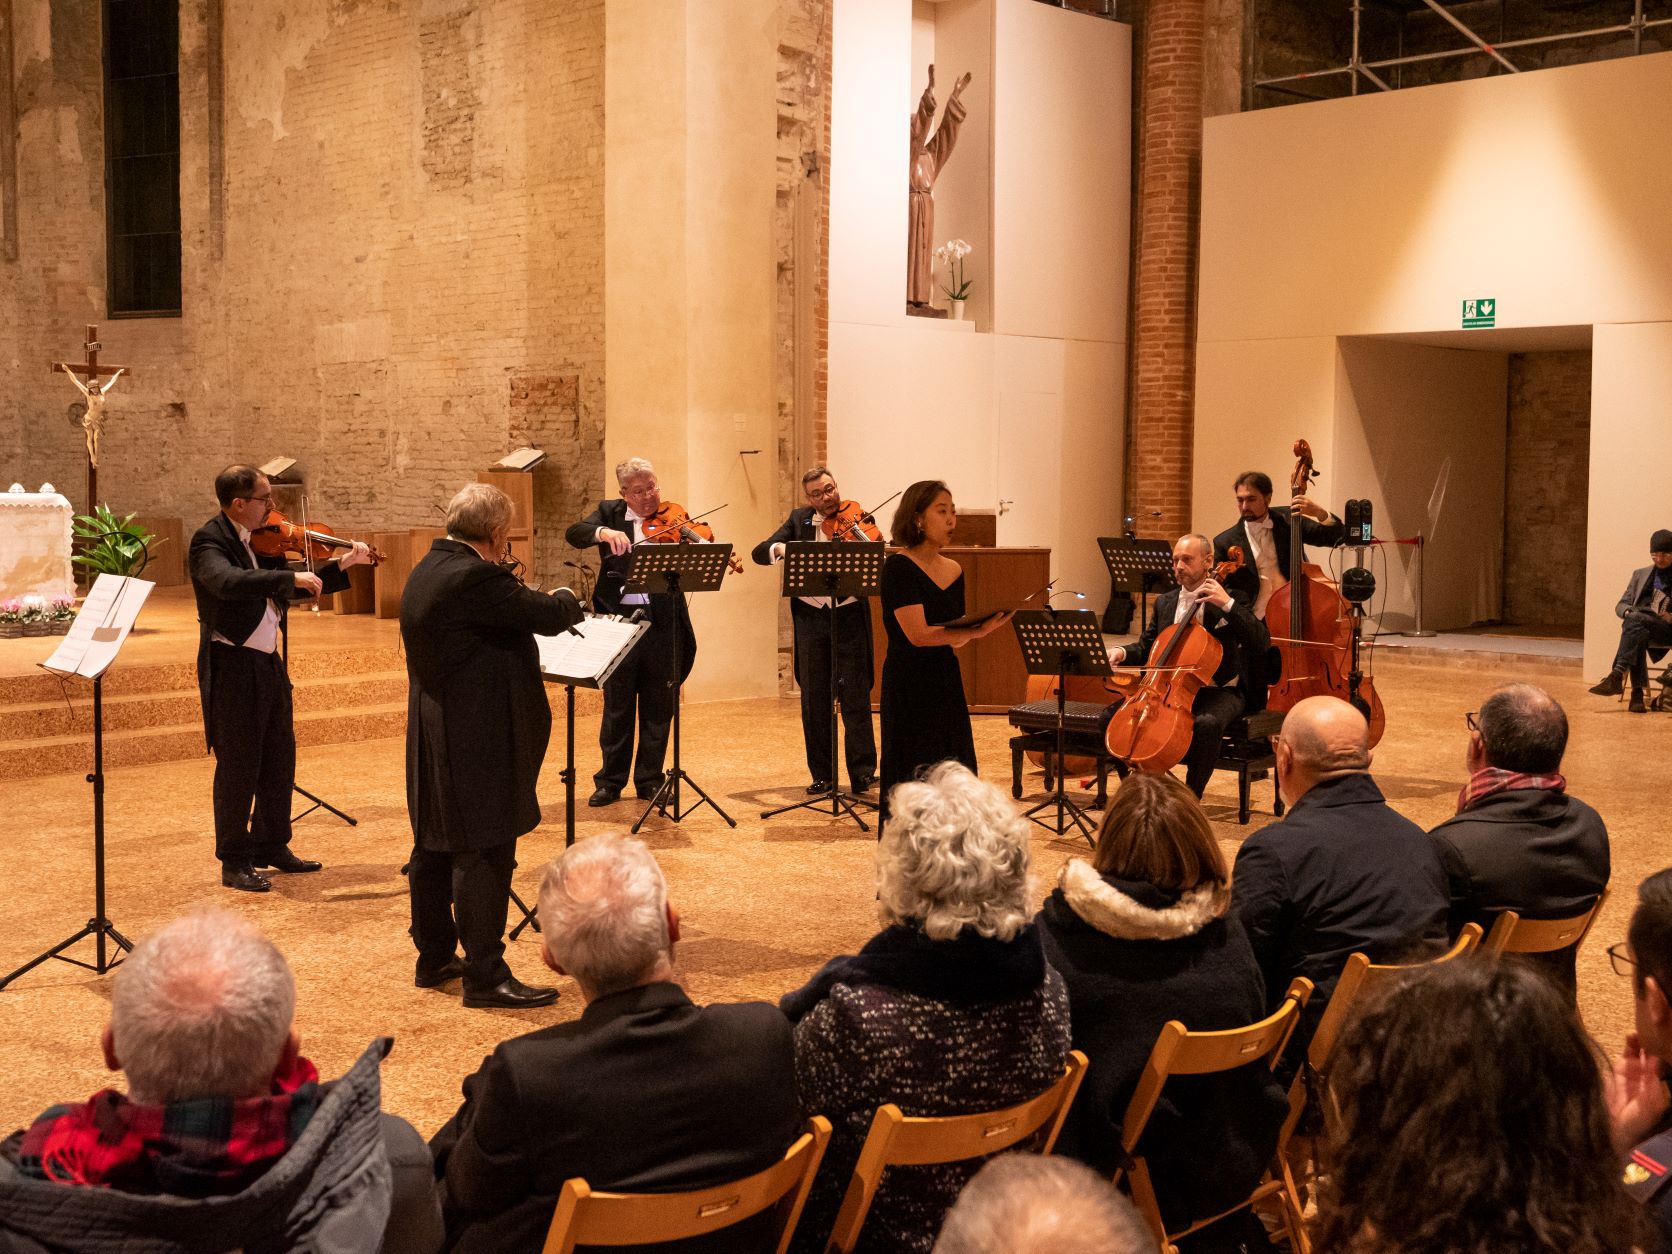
872	515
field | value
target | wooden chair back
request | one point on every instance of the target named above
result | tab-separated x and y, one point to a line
897	1140
584	1217
1511	934
1179	1051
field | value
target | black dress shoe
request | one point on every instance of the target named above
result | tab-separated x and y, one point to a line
1637	706
1613	686
645	794
816	787
510	994
245	879
604	796
452	970
863	783
290	864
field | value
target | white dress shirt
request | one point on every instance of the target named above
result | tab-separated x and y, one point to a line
265	637
1265	561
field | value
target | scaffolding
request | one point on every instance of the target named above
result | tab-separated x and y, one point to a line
1360	71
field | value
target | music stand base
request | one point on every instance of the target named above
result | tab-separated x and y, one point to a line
1068	814
98	928
319	803
840	803
528	918
668	796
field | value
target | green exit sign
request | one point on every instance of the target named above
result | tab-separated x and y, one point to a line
1482	312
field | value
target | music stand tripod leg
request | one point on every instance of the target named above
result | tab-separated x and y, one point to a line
1065	805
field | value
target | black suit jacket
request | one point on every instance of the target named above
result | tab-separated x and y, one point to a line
1340	872
645	1092
1242	638
612	577
477	721
232	592
1321	534
1541	854
799	527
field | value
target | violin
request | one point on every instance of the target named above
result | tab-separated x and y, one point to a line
1321	639
671	524
278	536
851	523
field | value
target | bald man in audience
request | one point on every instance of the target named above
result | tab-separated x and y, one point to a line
1519	841
1031	1204
1340	872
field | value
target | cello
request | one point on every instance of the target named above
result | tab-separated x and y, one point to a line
1151	731
1320	626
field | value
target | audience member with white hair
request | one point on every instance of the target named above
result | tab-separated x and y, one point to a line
1341	872
645	1092
950	1008
1030	1204
225	1127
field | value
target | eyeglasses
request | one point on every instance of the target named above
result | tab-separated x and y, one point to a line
1471	721
265	500
1621	960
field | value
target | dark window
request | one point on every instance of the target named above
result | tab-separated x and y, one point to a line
142	155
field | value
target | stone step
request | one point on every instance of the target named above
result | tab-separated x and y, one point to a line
124	680
33	720
52	755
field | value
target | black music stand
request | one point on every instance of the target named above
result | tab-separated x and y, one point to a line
676	569
1061	643
836	572
1139	565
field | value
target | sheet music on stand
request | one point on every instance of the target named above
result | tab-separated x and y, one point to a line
587	660
106	617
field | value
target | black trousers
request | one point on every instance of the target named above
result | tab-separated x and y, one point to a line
640	693
1214	710
853	680
1638	634
462	897
255	754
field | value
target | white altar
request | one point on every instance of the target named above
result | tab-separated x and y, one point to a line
35	544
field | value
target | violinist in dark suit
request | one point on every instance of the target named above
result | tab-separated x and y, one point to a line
810	618
1239	683
242	603
1262	533
477	726
641	689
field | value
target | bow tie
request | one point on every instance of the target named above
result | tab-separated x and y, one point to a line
1263	525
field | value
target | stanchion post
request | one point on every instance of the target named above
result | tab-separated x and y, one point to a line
1422	544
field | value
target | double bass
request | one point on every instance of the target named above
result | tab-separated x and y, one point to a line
1317	650
1151	731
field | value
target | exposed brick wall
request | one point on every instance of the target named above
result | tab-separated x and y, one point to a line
412	209
1547	488
1163	339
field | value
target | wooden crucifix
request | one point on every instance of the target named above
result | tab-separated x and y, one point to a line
92	422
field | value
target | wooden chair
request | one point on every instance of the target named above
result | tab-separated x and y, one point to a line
1511	934
896	1140
1311	1082
1179	1051
583	1217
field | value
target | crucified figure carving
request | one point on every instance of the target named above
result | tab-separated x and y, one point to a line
92	422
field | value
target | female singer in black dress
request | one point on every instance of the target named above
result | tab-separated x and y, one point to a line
925	718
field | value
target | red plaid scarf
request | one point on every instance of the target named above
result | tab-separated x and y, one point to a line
202	1147
1490	779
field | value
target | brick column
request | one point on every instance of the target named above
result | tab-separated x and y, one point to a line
1163	364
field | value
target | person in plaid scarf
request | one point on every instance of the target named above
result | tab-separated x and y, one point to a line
224	1125
1519	841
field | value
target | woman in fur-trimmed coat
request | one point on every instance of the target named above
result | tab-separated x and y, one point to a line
1140	935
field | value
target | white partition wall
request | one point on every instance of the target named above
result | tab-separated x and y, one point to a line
1025	407
1378	216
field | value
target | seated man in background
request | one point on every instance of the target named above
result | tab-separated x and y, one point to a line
1646	629
1518	841
644	1093
225	1128
1340	872
1030	1204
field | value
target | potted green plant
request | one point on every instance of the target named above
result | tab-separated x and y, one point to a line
957	288
114	546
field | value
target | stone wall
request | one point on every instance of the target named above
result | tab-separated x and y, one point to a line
392	218
1546	488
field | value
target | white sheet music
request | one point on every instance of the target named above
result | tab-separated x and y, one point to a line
96	636
589	658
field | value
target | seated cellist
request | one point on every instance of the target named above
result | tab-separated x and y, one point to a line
1239	683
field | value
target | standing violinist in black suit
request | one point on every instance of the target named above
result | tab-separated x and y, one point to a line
810	618
243	602
642	687
1262	533
1239	682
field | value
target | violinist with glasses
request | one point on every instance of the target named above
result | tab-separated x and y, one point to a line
828	518
641	691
